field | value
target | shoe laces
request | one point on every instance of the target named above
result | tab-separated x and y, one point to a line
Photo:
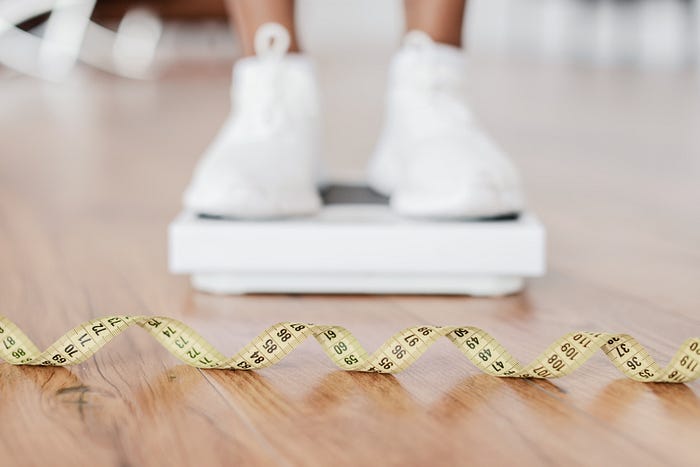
433	84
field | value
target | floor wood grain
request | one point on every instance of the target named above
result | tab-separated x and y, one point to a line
90	175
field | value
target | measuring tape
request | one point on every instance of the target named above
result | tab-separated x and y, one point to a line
395	355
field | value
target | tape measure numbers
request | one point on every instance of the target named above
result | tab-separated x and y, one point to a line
398	353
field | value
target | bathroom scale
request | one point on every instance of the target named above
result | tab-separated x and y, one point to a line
357	245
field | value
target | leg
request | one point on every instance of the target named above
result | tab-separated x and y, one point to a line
440	19
248	15
262	163
431	159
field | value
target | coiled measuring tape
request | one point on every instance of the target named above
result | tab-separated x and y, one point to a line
395	355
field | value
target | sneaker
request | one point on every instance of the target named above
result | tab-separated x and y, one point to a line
432	160
263	162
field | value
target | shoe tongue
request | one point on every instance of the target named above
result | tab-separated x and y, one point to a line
271	40
423	63
416	38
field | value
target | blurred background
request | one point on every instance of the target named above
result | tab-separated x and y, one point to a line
627	33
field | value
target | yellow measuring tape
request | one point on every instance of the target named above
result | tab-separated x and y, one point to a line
395	355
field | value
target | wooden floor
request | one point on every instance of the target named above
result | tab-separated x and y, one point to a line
91	172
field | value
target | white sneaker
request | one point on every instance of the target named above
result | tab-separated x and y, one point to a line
263	162
432	159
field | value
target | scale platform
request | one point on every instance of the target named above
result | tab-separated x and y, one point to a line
357	245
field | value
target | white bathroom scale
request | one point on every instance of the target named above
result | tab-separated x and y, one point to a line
357	245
